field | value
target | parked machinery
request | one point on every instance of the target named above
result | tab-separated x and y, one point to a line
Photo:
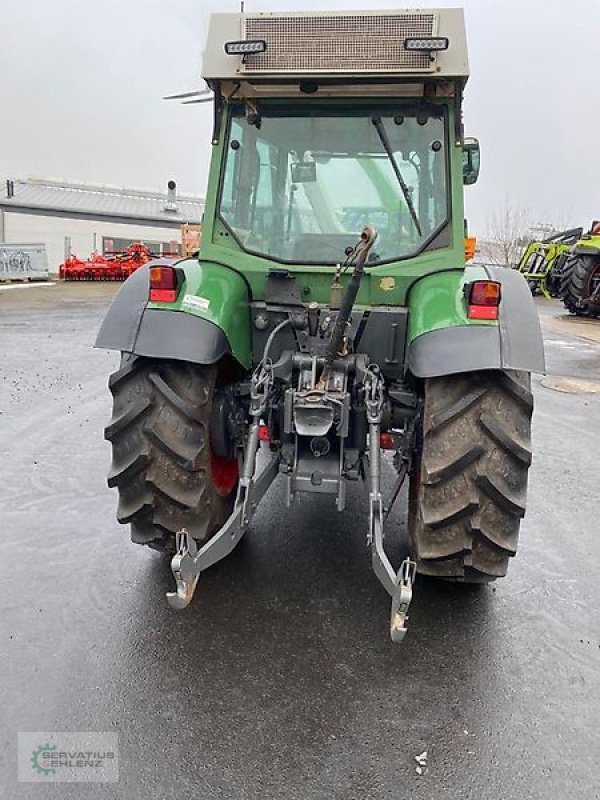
579	277
543	261
114	267
303	327
566	265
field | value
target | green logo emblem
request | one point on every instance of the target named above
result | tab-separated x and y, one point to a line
40	759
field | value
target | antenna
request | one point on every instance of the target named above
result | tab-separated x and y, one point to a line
241	6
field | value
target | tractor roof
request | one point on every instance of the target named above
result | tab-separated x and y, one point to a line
421	46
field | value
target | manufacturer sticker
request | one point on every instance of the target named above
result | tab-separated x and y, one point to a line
387	284
194	303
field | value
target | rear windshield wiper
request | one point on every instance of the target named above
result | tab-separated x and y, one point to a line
382	133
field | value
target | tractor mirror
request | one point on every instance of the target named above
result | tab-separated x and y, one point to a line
304	172
471	160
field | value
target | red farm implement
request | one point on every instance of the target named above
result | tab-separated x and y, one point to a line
112	267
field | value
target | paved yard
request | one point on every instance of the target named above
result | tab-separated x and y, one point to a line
279	681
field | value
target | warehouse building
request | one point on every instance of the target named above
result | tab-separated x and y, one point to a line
69	217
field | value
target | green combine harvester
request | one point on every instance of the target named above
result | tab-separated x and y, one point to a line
329	316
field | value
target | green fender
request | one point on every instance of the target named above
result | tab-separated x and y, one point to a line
587	246
220	295
209	320
442	340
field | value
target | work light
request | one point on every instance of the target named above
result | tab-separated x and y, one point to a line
427	44
246	47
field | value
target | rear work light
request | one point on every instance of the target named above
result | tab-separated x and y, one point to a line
163	284
245	48
483	299
426	44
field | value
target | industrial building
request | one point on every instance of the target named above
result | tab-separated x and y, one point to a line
75	218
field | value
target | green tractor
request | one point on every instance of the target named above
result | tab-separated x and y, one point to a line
579	278
543	262
329	316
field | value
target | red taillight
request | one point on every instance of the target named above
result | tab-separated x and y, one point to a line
263	433
387	441
484	299
163	284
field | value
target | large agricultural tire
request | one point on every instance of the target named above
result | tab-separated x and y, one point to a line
554	277
578	282
163	465
469	479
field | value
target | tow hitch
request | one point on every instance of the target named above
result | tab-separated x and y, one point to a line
397	585
188	562
314	457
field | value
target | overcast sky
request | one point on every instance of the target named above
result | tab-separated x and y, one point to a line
81	83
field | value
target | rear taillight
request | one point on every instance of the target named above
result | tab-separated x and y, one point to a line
163	284
263	433
387	441
483	299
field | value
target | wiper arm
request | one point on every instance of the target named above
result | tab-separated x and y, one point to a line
382	133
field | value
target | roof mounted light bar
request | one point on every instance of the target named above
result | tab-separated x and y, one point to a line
427	44
400	43
246	47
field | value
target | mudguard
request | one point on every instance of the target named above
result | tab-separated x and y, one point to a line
581	249
444	341
209	320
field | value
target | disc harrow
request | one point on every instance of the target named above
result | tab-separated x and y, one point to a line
110	267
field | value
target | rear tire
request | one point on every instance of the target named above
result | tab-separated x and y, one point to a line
469	481
554	277
578	282
162	462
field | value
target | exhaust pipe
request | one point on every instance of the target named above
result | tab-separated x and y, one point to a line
171	204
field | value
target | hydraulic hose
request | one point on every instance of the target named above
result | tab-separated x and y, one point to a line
367	238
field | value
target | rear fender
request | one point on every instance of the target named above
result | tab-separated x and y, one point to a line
442	340
586	250
209	320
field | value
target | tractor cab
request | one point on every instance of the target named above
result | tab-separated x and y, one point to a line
328	123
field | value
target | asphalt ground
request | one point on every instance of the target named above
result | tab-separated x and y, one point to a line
279	681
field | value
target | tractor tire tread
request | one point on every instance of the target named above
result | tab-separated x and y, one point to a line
161	462
575	283
124	419
467	501
506	438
